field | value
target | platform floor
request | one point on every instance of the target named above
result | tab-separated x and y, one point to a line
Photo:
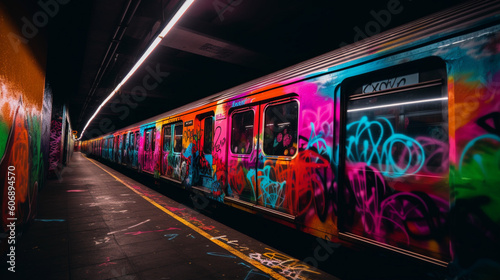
97	223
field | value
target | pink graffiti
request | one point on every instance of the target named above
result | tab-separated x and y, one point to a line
436	155
150	231
200	224
108	262
174	209
385	214
55	145
321	118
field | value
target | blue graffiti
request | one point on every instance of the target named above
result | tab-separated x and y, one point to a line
221	255
320	143
273	193
188	152
50	220
171	235
476	157
369	142
252	272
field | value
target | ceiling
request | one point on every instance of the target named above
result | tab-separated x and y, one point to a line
216	45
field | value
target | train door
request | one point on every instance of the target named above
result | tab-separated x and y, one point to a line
177	151
105	151
121	146
129	148
110	148
395	157
102	148
242	156
135	159
116	149
171	151
167	151
125	150
203	157
277	153
149	147
124	141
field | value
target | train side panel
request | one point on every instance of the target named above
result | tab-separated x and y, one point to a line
418	165
474	81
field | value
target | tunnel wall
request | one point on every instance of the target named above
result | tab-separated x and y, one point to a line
61	141
25	112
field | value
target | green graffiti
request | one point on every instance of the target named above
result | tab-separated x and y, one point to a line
478	173
4	134
34	128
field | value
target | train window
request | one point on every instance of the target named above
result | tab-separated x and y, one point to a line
131	140
123	139
167	138
280	129
116	147
178	138
153	139
137	140
147	140
242	132
111	147
208	135
400	130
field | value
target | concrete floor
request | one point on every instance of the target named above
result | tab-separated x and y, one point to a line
96	223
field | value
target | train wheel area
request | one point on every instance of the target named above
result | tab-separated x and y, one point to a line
96	223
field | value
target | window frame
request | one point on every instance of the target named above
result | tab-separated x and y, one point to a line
211	135
432	73
124	138
237	112
164	128
264	114
137	142
153	139
131	141
181	125
147	140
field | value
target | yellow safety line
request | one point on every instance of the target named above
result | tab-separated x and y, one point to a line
232	250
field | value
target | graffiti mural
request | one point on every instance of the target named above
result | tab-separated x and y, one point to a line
46	133
55	147
24	122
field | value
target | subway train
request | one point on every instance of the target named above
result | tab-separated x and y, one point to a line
392	141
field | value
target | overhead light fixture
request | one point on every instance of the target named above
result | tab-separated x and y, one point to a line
149	50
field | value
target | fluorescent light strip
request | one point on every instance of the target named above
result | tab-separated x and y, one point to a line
150	49
397	104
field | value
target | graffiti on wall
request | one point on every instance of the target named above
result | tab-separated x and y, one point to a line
55	147
21	125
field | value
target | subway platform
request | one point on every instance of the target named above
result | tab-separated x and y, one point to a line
96	223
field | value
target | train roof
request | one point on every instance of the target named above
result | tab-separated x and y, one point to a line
438	26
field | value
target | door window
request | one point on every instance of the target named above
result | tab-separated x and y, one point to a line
280	129
242	125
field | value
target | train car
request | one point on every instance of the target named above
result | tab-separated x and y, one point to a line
393	141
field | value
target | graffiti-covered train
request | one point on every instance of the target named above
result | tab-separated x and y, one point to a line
393	141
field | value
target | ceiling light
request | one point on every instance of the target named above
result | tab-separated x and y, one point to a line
150	49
